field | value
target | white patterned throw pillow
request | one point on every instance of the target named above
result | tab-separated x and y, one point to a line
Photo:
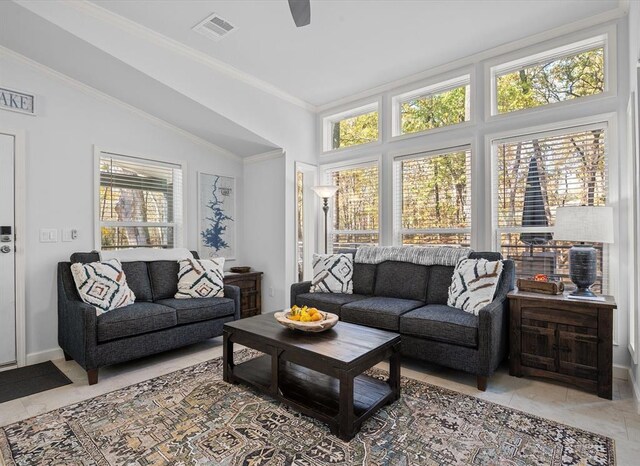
200	278
332	273
103	285
474	284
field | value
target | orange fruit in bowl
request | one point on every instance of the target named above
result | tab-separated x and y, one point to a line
316	317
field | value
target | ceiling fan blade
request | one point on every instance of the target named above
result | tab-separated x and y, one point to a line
301	12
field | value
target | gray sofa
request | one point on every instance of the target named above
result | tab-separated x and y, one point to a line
412	300
155	322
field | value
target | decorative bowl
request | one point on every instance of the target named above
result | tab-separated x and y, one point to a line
240	269
329	321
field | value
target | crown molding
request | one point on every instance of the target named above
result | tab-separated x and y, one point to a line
161	40
92	91
272	154
566	29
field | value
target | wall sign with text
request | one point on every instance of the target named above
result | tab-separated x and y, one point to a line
17	101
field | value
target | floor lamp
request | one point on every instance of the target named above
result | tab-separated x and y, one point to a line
325	192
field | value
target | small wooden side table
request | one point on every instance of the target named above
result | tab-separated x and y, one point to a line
563	339
250	284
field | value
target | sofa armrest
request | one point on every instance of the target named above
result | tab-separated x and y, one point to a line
297	289
77	322
493	326
492	335
233	292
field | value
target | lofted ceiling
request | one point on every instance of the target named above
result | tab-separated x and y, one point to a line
351	45
34	37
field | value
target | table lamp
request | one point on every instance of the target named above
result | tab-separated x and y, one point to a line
325	192
579	225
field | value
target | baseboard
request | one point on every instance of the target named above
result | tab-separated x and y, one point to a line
620	372
43	356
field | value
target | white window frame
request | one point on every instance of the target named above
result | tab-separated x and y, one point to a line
398	231
430	90
541	53
329	120
180	208
325	171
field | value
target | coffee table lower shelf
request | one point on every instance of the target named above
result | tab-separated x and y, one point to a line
313	393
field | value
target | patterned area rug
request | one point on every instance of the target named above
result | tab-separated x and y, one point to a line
192	417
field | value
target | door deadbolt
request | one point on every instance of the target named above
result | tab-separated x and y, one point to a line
5	249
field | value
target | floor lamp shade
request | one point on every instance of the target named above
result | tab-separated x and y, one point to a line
583	224
325	192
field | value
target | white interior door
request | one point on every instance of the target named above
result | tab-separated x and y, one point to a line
7	251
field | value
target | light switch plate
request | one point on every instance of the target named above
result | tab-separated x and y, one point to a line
69	234
48	235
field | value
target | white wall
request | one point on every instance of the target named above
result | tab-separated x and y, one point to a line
264	214
60	179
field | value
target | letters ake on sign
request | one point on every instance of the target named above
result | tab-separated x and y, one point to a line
17	101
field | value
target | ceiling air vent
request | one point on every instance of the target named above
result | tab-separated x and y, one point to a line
214	27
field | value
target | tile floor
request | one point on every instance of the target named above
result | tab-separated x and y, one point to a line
619	418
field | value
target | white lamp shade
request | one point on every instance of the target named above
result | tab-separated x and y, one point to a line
325	191
584	223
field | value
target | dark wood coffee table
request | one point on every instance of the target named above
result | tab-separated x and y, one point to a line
321	374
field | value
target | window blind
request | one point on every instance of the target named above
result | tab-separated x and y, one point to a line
140	202
355	207
538	173
433	198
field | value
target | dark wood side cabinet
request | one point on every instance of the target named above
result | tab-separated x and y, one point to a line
564	339
250	284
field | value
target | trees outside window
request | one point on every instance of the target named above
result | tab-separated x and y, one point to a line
549	81
355	207
435	198
351	128
437	106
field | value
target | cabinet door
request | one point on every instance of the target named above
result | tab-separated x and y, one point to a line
578	351
538	345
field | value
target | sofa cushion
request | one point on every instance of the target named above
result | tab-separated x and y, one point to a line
379	312
487	255
135	319
442	323
84	257
439	282
198	309
402	280
138	280
164	279
328	302
364	278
